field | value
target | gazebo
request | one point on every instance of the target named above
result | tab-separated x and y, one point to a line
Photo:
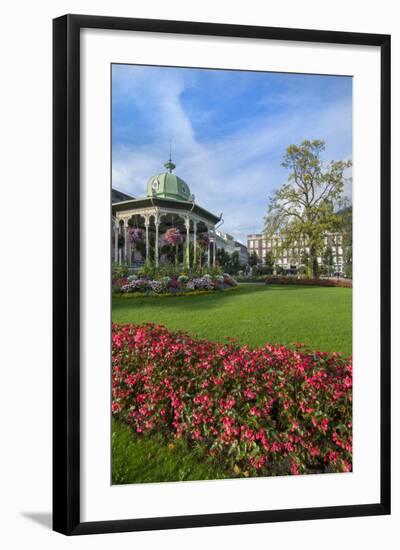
168	204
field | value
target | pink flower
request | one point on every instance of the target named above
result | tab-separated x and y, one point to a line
233	399
172	236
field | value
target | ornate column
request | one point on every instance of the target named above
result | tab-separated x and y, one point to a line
214	247
194	241
156	221
208	251
119	249
187	258
146	224
129	246
115	242
125	241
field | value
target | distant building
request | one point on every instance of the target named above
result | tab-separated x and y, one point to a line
243	253
227	242
291	258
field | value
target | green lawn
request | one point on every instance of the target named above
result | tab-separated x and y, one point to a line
318	317
148	459
254	314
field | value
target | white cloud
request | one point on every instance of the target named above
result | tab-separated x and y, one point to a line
234	174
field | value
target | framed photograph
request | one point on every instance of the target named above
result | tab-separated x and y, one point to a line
221	274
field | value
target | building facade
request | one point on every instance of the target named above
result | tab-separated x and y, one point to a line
227	242
291	258
243	253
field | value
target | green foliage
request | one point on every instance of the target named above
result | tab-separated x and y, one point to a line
349	270
167	269
327	259
269	262
253	258
260	269
346	215
119	271
305	265
250	279
304	207
229	263
212	270
303	270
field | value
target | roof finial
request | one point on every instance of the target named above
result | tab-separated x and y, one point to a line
169	165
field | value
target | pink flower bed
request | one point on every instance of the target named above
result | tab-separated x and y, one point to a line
265	411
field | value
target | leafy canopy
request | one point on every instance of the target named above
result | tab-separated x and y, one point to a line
304	207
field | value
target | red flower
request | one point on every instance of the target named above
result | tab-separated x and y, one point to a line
270	410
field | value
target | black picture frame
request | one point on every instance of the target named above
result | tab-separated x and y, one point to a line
66	273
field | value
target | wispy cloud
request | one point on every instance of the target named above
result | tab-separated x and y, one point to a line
229	132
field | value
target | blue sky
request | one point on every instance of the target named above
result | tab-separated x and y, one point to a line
229	132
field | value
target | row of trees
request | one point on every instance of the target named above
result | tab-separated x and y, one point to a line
311	204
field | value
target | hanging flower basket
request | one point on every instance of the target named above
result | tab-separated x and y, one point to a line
172	236
203	240
136	234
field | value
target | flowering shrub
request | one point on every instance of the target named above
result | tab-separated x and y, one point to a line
119	283
266	411
156	286
137	285
173	284
201	283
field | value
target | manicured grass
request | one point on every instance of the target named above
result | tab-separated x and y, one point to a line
140	459
255	314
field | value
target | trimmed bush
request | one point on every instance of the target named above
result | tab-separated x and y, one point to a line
345	283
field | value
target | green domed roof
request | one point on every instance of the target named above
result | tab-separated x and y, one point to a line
168	186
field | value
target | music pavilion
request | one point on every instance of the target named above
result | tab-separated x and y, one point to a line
168	203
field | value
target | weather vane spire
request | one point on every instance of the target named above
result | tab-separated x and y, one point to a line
169	165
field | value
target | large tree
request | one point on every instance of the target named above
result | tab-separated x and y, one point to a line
303	210
346	215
